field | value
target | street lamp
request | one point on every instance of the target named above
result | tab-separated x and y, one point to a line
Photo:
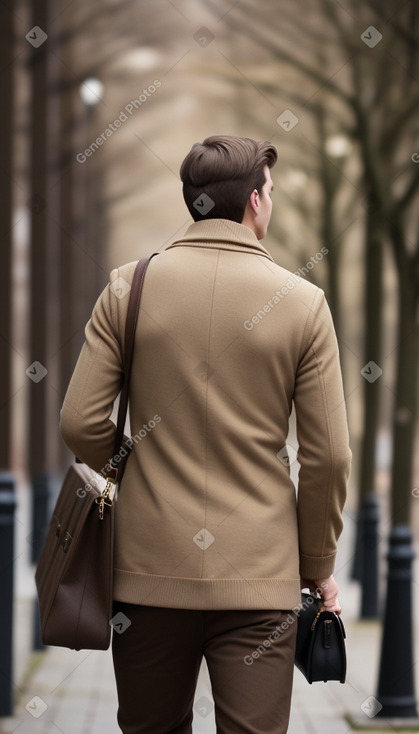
295	179
91	91
88	194
338	146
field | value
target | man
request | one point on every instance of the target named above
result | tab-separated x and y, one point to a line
212	546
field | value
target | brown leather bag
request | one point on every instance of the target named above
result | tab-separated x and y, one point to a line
74	575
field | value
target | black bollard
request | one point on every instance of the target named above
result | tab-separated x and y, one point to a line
7	538
396	691
356	571
369	557
40	522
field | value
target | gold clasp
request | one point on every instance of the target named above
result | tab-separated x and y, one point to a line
315	621
107	496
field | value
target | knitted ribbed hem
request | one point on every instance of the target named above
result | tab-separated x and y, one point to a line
191	593
316	569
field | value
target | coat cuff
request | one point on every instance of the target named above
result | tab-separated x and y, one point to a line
315	569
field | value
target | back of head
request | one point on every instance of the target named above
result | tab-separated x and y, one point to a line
226	169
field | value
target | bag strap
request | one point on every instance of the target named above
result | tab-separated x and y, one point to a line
130	326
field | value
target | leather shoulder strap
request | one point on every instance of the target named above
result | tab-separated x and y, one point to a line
130	326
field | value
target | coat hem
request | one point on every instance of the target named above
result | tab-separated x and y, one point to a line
193	593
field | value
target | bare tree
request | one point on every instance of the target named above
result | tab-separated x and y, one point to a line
369	79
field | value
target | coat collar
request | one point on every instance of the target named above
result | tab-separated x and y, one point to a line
221	234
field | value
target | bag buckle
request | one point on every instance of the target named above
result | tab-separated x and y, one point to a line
107	496
315	620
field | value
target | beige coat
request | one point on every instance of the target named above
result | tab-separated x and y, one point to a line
207	516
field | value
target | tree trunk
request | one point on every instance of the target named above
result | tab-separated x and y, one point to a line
405	408
373	299
38	443
330	183
6	178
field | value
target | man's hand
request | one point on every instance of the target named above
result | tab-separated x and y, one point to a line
328	590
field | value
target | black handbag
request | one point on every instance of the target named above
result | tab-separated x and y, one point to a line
320	650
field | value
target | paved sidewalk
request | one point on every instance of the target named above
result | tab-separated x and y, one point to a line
74	692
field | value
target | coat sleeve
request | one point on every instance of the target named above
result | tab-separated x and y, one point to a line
324	452
96	382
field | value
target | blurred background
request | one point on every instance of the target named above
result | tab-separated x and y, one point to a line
101	101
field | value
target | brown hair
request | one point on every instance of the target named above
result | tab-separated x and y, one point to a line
220	173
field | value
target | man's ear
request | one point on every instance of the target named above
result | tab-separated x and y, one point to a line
253	201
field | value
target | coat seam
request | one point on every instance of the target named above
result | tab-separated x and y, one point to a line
307	329
206	398
331	448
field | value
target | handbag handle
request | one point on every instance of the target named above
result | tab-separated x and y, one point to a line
130	326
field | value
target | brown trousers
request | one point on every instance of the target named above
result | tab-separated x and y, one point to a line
157	654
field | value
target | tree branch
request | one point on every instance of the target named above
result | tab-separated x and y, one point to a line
403	202
310	71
